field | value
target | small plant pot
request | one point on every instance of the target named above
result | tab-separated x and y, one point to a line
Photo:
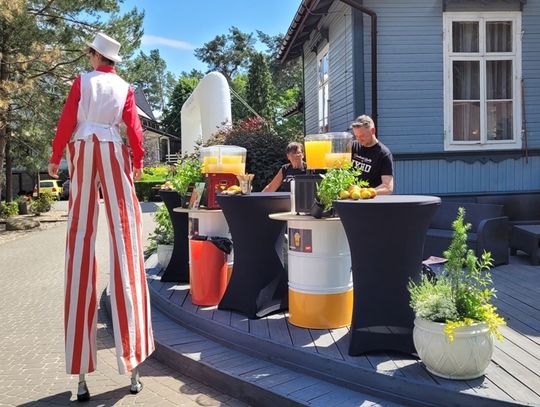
467	357
318	212
164	253
23	208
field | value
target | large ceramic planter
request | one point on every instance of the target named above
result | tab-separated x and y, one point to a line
164	253
467	357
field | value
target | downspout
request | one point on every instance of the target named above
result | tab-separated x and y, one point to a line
355	4
304	90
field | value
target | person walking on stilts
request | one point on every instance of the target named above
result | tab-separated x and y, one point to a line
99	160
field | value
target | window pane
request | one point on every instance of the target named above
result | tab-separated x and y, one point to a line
466	123
499	79
499	36
465	36
499	120
466	79
323	68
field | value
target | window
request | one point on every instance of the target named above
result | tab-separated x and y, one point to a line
322	74
482	80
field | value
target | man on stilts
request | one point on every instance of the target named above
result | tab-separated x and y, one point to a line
99	160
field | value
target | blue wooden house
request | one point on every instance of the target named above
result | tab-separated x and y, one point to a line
453	85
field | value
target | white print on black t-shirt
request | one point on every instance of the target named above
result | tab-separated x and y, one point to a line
364	166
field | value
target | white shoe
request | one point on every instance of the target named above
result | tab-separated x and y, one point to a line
136	386
82	392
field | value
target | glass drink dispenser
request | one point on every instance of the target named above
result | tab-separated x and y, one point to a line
223	159
327	150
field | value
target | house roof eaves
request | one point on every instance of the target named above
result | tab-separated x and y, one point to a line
305	20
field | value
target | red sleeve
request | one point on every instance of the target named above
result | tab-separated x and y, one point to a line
67	122
134	129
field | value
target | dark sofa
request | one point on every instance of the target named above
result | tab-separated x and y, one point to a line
489	230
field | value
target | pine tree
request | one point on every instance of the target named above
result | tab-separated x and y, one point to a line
260	90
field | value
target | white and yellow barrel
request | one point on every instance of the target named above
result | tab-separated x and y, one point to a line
320	278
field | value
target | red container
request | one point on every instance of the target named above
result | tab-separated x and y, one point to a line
216	183
208	277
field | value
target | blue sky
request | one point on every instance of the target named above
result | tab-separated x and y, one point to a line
177	27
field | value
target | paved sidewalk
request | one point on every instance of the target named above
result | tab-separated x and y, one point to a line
31	335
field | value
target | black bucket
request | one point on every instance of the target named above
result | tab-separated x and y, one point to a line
305	189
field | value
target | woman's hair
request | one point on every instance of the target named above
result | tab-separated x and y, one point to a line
294	147
104	60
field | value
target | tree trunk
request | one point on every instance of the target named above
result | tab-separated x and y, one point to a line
9	165
2	149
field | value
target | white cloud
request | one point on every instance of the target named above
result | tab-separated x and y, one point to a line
168	42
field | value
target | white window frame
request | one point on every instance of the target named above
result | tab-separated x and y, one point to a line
322	96
482	56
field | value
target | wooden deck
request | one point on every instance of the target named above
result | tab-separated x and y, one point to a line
512	378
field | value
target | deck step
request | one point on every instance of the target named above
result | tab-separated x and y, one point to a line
252	380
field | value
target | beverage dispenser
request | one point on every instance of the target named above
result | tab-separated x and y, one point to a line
323	151
221	164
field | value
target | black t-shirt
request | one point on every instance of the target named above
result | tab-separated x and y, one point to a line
288	173
374	162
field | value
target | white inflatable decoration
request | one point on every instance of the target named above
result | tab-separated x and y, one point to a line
206	111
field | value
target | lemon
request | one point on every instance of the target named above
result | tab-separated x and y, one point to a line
355	195
344	194
373	192
365	194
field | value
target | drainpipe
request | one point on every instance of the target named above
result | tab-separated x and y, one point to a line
355	4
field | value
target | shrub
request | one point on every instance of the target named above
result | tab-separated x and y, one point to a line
146	190
43	203
156	173
8	209
265	148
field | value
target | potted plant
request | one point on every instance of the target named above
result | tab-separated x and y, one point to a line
455	321
331	185
24	203
162	239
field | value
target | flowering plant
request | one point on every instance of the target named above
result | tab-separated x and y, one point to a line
462	294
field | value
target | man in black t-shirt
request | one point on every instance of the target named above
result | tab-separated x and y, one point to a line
372	157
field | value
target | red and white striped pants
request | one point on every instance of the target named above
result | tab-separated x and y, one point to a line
95	164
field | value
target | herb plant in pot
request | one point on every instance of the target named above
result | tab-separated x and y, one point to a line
455	321
333	182
188	171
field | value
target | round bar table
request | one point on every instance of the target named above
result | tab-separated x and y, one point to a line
386	238
320	280
178	269
258	284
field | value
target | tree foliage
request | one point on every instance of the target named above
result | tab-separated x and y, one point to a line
260	90
227	53
42	48
149	72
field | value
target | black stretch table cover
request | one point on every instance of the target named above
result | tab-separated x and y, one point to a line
178	269
386	238
258	284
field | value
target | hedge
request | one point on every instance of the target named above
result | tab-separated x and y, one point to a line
146	190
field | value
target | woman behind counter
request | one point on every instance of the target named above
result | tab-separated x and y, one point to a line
296	166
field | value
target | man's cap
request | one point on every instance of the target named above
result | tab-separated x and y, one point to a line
106	46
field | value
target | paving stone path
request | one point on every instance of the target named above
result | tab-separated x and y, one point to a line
32	371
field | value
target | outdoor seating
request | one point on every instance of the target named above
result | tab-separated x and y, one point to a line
489	230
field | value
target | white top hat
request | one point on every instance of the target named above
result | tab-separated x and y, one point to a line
106	46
